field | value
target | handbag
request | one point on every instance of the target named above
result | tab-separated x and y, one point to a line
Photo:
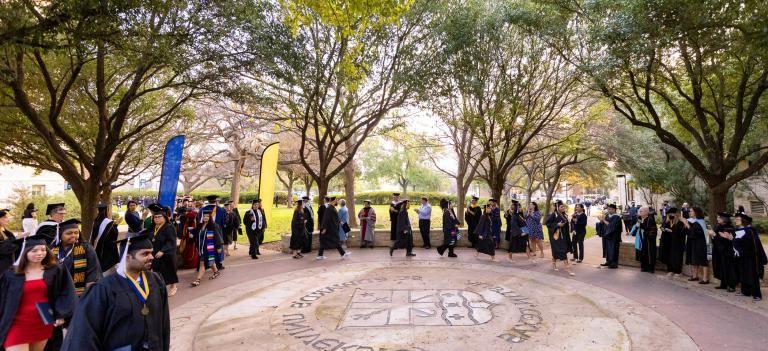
346	228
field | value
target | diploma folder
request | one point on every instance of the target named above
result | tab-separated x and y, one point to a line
46	313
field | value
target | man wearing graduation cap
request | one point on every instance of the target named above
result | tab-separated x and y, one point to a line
404	231
321	212
394	212
124	311
104	239
329	232
613	230
309	215
255	224
472	216
50	227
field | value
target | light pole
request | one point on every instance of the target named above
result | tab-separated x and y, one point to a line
622	188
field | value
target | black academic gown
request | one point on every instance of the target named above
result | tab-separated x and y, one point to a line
165	241
562	245
723	260
600	231
330	238
647	253
674	247
518	242
696	246
449	230
393	220
61	296
613	239
7	252
751	260
485	242
320	214
472	216
404	232
297	230
106	247
310	226
110	317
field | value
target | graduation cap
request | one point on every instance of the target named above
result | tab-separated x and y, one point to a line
212	198
69	224
367	201
744	217
613	206
672	210
492	200
305	197
395	194
475	198
131	243
327	198
332	198
156	209
4	212
101	206
443	203
258	201
724	215
31	241
31	207
515	201
50	208
206	211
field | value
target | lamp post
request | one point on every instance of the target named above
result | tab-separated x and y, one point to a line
622	188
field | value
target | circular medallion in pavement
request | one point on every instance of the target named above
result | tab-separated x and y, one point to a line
419	305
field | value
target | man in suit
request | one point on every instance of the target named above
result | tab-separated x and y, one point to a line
612	237
255	224
309	215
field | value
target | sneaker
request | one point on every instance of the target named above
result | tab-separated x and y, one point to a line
757	298
320	258
346	255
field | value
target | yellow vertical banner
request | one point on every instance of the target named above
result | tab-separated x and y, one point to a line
268	179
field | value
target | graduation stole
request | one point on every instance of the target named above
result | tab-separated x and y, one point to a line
141	289
80	260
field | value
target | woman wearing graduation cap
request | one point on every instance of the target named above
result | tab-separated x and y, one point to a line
127	310
35	296
750	256
672	248
485	243
404	232
163	236
209	244
723	261
7	245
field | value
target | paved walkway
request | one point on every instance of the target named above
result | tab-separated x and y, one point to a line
714	321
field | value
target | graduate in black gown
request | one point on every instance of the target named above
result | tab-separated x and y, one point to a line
127	310
404	239
613	230
723	259
472	216
310	224
394	212
298	230
600	232
518	240
750	256
7	246
485	243
673	234
450	229
163	236
579	230
50	227
559	240
647	230
696	245
104	239
329	234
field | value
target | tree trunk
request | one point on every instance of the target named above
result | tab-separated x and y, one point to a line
349	192
234	192
550	189
322	189
88	198
289	195
718	201
461	197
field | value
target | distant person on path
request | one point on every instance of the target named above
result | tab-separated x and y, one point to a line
535	230
579	228
298	230
132	218
187	246
29	220
394	212
367	217
425	215
516	232
229	230
664	209
495	221
685	210
673	234
404	238
696	246
163	236
104	240
740	209
587	207
485	245
723	259
255	224
275	199
343	219
309	216
751	257
119	203
647	230
329	234
613	230
450	229
472	216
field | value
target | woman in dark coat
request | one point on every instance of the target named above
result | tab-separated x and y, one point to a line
696	245
559	240
485	244
647	227
723	260
36	279
298	230
518	240
403	231
579	229
450	229
751	258
163	236
329	232
7	245
673	234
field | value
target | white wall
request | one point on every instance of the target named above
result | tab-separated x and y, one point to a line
14	177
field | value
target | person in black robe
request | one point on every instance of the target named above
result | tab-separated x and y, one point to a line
518	240
394	212
404	238
600	232
163	236
613	230
472	216
255	224
127	310
310	224
229	229
485	243
557	230
696	246
646	225
104	239
579	229
208	239
673	234
723	259
238	221
450	229
50	227
59	288
329	234
298	230
750	256
7	246
321	212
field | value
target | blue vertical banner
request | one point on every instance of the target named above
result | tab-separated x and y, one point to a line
169	178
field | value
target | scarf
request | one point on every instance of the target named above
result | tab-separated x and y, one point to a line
80	263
